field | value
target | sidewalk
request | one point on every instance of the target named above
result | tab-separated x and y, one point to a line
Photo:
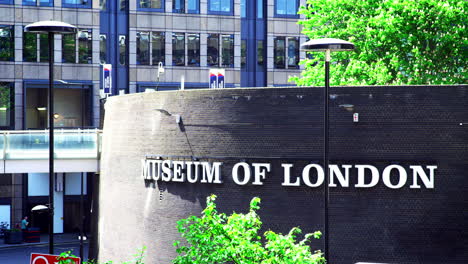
59	239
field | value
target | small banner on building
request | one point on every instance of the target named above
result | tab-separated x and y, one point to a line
217	78
107	78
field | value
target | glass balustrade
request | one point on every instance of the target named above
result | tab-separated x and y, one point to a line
68	144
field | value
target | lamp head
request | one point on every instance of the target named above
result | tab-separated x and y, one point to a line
325	44
51	26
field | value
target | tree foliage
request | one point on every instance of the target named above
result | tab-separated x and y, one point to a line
397	41
217	238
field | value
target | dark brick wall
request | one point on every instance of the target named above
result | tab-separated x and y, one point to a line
410	125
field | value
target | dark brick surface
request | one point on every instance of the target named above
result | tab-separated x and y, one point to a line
410	125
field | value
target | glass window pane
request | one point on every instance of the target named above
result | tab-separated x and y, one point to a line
291	7
281	7
243	53
123	5
226	5
215	5
242	8
43	48
29	2
103	48
293	53
85	54
158	42
193	49
6	104
142	42
213	50
46	2
260	54
69	48
155	4
103	4
122	50
178	49
178	6
29	47
228	50
192	6
7	43
279	52
260	8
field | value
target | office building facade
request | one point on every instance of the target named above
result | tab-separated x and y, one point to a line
256	43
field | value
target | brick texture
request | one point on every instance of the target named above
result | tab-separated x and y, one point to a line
406	125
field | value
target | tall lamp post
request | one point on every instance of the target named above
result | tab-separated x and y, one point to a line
326	45
51	28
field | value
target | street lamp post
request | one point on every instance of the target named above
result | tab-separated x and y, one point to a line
51	28
326	45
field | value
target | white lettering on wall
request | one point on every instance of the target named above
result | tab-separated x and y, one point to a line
343	179
306	175
402	176
287	176
235	173
362	176
428	181
313	175
211	172
260	170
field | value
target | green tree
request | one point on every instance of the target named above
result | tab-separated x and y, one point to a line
397	41
217	238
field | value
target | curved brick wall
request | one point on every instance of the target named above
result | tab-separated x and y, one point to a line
398	125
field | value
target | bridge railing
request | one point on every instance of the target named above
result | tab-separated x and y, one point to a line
34	144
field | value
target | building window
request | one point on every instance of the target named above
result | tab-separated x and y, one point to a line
77	3
69	48
6	105
221	7
279	46
82	41
7	43
286	57
6	2
143	48
227	51
29	47
225	45
193	49
213	50
123	5
150	45
103	5
286	8
260	54
122	49
178	49
103	48
178	6
43	48
193	6
158	48
38	2
243	53
85	47
293	53
34	43
151	5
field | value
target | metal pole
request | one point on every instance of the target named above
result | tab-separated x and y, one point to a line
325	149
51	143
82	219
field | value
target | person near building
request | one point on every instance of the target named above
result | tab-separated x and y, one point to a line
24	224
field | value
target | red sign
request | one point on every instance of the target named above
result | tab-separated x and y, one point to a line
49	259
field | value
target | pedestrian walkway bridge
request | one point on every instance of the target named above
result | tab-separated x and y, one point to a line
28	151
